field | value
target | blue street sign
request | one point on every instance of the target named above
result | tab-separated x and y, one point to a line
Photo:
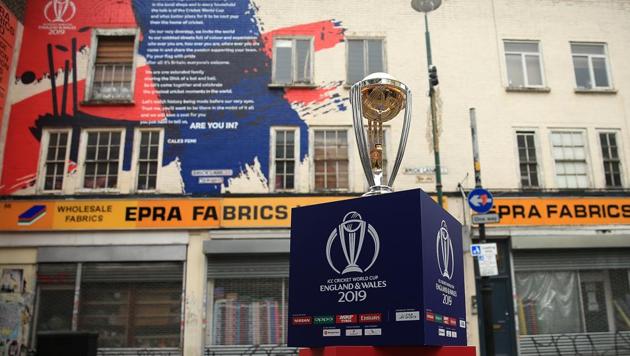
480	200
475	250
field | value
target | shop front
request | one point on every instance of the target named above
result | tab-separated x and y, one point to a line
571	273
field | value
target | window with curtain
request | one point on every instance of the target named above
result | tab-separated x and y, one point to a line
610	157
524	64
112	74
365	56
249	311
331	159
569	153
292	61
590	63
528	164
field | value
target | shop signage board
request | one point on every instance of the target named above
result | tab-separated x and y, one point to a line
267	212
363	274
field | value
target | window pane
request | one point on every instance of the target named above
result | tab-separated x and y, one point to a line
594	301
249	311
515	70
55	309
587	49
521	47
282	61
356	61
303	48
599	70
375	56
534	74
550	302
582	75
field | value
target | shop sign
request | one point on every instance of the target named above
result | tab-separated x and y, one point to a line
124	214
562	211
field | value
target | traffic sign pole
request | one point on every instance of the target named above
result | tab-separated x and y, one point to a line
486	288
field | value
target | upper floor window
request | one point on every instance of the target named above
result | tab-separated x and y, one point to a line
292	61
527	159
284	153
524	65
102	158
590	63
112	72
365	56
55	155
331	159
569	153
149	155
610	156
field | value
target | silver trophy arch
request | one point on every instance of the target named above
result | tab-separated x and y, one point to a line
379	98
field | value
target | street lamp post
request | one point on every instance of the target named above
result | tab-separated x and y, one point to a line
426	6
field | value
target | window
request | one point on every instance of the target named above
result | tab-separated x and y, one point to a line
331	159
365	56
591	65
249	311
112	74
129	304
55	155
527	159
149	148
103	156
610	156
524	66
569	153
292	61
563	302
284	152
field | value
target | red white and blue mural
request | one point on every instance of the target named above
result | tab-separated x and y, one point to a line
202	73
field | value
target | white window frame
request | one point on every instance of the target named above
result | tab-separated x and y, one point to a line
43	153
293	83
351	149
589	173
539	163
622	166
365	54
89	80
524	64
137	135
83	153
590	65
272	157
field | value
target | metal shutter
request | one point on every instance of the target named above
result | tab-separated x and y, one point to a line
573	259
130	272
56	273
248	266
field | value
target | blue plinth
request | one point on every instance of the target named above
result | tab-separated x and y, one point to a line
384	270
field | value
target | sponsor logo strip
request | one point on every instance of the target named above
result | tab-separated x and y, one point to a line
346	319
407	316
370	318
302	320
324	320
373	332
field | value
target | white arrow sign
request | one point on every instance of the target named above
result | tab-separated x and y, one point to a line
477	201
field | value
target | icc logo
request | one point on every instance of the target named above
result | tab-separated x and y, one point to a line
444	249
59	10
351	233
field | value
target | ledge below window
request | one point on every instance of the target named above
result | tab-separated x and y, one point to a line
528	89
290	85
596	91
108	102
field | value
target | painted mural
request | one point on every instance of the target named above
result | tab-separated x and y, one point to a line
202	73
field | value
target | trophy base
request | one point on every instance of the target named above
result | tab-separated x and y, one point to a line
378	189
352	268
